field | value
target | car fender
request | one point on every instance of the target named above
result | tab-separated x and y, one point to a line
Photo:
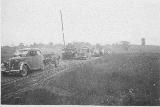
23	63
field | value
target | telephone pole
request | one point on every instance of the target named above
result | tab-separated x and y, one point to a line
62	28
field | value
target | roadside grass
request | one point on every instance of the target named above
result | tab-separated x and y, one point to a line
118	79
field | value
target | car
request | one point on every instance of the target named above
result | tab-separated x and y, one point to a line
24	61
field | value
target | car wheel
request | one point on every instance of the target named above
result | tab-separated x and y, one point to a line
24	71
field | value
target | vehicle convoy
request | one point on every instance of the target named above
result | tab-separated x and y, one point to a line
24	61
72	52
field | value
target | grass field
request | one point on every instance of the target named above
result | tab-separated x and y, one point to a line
118	79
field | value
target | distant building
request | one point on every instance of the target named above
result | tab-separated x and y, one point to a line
143	41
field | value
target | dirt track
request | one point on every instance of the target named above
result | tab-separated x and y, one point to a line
11	85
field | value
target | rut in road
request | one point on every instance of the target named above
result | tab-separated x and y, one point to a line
27	81
12	78
32	85
27	84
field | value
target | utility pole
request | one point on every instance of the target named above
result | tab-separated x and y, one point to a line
62	28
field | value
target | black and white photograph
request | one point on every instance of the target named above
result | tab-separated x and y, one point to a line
80	52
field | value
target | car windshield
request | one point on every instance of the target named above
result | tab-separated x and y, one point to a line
21	52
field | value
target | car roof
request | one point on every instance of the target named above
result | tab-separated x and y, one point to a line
31	49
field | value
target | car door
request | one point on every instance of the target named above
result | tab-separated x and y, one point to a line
35	59
28	60
40	58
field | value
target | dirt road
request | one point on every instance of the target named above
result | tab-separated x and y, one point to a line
12	85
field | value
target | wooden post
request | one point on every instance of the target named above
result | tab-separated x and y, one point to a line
62	28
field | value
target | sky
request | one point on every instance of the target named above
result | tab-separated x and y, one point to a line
93	21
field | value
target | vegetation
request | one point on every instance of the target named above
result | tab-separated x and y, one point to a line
7	52
120	79
123	47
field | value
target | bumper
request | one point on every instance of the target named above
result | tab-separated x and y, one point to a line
10	71
6	69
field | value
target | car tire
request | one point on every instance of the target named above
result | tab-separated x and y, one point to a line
24	71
